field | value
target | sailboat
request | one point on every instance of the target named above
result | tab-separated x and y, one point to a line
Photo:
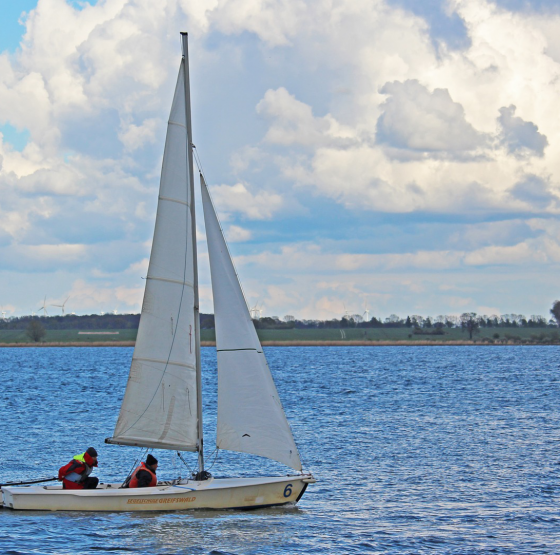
162	404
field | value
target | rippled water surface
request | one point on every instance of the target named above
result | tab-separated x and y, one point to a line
451	450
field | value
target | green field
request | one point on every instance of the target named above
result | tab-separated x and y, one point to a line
485	335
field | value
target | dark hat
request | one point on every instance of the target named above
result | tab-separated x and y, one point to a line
151	460
91	452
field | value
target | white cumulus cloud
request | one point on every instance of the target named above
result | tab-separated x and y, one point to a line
299	107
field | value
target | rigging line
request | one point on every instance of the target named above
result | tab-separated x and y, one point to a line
217	451
190	468
198	161
129	474
187	209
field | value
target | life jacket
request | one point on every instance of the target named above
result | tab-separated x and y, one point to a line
78	469
134	480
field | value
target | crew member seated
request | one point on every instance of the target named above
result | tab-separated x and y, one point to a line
76	474
145	475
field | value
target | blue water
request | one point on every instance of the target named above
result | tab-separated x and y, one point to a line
448	450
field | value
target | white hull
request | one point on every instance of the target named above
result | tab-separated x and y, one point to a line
215	493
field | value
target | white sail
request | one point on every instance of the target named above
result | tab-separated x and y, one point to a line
159	408
250	415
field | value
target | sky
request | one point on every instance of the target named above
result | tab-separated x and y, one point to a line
389	156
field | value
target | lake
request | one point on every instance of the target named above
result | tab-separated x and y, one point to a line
448	450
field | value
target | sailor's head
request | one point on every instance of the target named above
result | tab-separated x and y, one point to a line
90	456
151	461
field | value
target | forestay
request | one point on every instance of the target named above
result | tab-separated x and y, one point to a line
160	403
250	415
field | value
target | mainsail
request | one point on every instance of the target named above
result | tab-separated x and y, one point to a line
160	405
250	415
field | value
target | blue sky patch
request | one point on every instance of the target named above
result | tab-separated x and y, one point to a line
17	139
443	27
81	4
10	30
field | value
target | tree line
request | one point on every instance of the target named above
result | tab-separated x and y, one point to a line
413	321
86	322
74	322
468	321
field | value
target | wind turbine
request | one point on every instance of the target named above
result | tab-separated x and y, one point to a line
44	307
256	312
366	314
61	305
3	314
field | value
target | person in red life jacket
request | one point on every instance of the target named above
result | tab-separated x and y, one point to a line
145	475
76	474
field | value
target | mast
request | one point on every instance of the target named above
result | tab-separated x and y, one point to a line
200	441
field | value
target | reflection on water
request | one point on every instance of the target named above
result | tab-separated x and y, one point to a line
417	450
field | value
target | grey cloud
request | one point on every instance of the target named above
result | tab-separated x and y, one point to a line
418	120
75	226
5	238
522	138
109	257
534	191
92	134
534	6
61	181
482	234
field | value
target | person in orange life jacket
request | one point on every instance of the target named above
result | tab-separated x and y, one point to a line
76	474
145	475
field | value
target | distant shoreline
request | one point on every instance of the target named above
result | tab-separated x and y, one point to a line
303	343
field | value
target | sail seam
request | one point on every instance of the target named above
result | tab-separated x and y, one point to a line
174	200
191	366
177	123
168	420
178	282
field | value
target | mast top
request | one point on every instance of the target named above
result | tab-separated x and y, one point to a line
185	43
